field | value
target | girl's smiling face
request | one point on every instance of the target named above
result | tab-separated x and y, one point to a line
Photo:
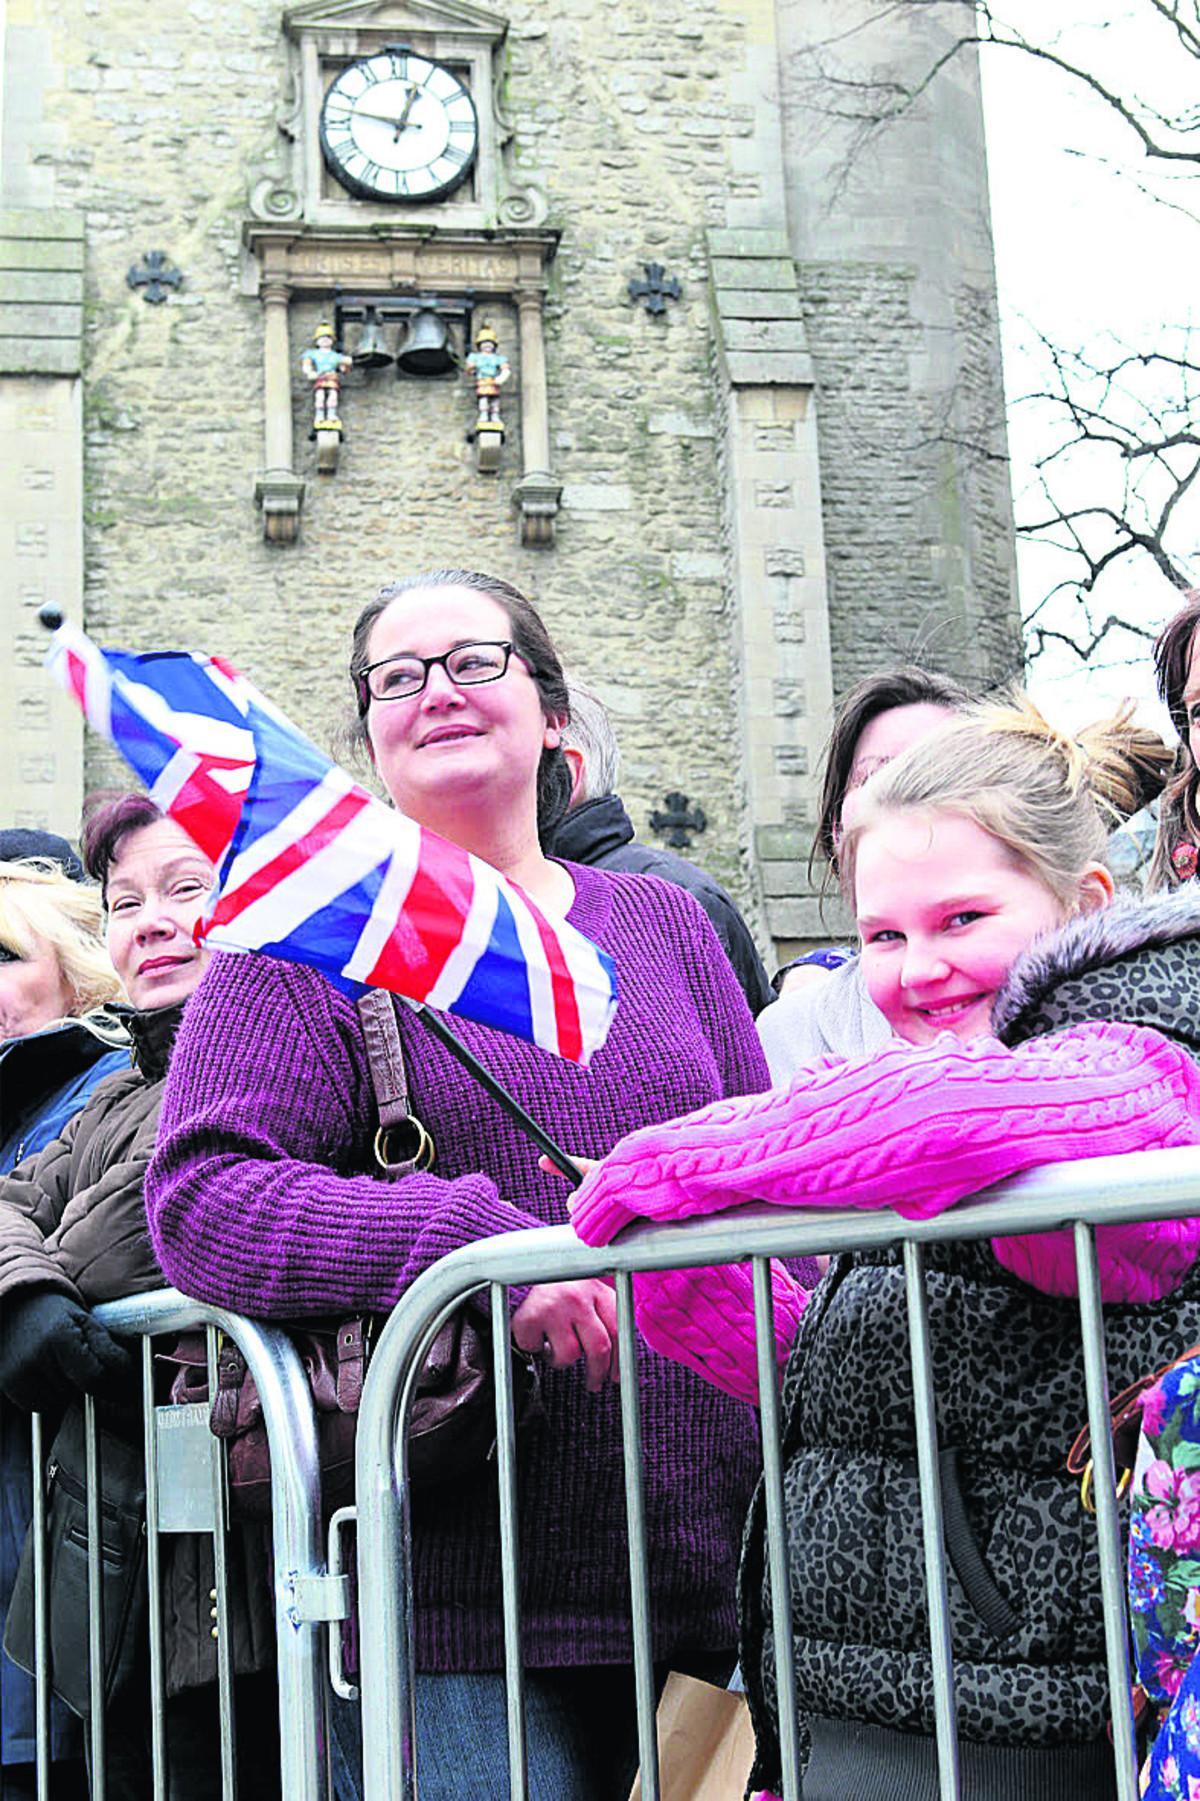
944	909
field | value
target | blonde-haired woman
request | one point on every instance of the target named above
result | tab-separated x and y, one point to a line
56	982
57	1041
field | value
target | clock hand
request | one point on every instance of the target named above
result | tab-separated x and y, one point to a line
402	121
364	112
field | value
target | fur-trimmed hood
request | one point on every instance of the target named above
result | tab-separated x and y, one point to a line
1137	961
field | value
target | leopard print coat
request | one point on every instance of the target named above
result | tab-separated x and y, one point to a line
1024	1582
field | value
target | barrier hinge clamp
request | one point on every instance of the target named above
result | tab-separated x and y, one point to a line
316	1597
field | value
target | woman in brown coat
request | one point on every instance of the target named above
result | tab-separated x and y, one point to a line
73	1234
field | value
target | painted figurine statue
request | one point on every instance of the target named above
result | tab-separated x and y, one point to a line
324	367
490	370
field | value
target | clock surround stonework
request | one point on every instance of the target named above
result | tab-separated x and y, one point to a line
307	236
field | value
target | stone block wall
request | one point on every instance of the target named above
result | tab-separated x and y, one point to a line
626	119
890	229
917	506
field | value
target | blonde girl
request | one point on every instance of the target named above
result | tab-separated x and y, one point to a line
1035	1021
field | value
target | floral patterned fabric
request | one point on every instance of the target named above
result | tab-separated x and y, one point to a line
1164	1578
1173	1770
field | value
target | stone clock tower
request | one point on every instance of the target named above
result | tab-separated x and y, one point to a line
751	448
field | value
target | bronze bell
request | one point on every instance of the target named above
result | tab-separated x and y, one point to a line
372	352
427	348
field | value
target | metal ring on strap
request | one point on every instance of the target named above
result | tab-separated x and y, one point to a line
1085	1487
422	1153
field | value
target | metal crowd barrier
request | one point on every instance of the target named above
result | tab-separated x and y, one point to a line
185	1491
1152	1185
1103	1191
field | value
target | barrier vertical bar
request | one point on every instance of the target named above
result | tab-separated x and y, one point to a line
506	1472
41	1615
777	1552
158	1739
1108	1525
635	1514
222	1631
384	1559
298	1552
932	1529
96	1775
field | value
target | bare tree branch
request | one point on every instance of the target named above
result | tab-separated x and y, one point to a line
1166	134
1114	480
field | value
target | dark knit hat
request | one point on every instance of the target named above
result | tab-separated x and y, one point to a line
16	842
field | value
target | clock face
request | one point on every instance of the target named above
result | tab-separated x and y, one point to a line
396	126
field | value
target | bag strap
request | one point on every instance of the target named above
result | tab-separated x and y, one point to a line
1125	1412
399	1130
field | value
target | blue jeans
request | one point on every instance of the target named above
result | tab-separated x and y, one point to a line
580	1729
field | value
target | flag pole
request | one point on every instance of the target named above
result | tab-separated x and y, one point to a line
434	1023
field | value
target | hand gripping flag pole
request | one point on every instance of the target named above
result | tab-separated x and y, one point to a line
314	869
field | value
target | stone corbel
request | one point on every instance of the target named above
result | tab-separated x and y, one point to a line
280	494
538	492
279	491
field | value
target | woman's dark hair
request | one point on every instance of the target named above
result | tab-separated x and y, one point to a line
1179	816
1152	763
906	686
533	645
108	818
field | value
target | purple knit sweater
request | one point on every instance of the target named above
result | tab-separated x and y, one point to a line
256	1203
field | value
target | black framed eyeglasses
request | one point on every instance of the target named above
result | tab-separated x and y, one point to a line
403	676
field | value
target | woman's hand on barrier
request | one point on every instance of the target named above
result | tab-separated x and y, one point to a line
550	1168
564	1321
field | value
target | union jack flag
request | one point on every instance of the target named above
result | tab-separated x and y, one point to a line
312	868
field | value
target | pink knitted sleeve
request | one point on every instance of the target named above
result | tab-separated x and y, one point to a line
917	1129
704	1318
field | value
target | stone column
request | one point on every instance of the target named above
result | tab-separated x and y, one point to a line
891	236
279	491
41	520
537	492
777	568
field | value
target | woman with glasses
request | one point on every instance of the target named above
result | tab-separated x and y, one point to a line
261	1198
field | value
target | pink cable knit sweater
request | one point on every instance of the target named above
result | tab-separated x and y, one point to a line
912	1128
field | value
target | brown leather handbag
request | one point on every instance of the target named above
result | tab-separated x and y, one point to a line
1125	1413
452	1426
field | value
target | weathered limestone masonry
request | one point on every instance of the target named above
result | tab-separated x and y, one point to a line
892	240
713	461
41	503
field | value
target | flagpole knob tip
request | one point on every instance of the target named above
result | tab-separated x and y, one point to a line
50	616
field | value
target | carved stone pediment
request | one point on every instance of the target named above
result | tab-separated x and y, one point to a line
395	19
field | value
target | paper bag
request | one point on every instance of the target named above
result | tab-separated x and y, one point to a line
705	1742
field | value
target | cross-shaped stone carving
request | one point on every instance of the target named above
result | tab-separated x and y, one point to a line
155	275
655	291
679	821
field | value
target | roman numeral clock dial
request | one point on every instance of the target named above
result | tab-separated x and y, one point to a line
399	127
